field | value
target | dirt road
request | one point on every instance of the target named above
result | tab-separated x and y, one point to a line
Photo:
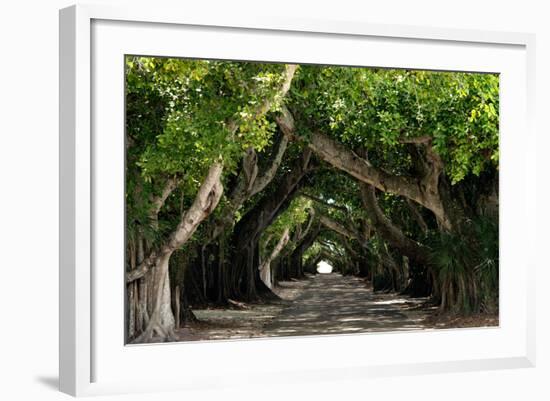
332	304
322	304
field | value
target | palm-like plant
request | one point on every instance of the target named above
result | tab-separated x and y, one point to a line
466	267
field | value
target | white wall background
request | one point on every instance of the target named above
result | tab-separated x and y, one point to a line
29	197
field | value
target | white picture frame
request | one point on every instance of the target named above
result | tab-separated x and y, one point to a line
93	361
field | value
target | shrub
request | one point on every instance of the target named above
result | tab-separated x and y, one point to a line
466	267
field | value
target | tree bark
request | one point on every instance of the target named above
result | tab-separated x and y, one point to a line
296	262
157	202
390	232
247	232
177	306
417	216
161	321
417	253
249	183
265	267
341	229
170	184
423	190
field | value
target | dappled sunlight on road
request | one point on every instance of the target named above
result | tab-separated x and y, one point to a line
334	304
322	304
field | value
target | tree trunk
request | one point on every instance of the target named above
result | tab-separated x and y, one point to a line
250	181
131	293
222	281
265	267
203	271
423	189
390	232
161	321
177	306
142	313
339	228
296	263
418	254
248	230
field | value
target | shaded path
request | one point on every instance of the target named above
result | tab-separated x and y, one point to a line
333	304
224	323
320	304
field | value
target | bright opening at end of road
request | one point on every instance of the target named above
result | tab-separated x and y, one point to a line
324	267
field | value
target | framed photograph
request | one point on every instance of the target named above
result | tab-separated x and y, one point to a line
293	199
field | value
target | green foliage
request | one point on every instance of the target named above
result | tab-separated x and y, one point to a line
340	194
203	102
182	115
312	251
294	216
466	267
377	109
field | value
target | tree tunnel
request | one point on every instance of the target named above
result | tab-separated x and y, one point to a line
244	176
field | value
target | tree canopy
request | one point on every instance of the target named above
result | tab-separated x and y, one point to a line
390	174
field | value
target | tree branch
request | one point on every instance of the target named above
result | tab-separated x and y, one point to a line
388	231
157	202
264	107
324	202
417	140
423	190
206	200
417	216
341	229
283	240
261	182
250	182
309	224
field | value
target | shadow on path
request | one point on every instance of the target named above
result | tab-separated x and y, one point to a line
336	304
320	304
